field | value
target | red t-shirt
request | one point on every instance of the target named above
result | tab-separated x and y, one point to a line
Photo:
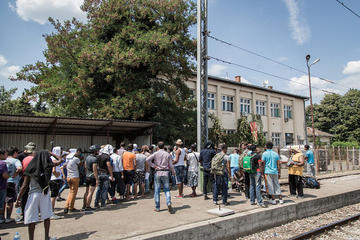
26	162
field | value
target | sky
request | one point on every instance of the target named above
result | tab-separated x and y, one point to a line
282	30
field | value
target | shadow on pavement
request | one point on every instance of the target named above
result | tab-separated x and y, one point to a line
175	209
78	236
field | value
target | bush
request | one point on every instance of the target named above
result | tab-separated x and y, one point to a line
346	144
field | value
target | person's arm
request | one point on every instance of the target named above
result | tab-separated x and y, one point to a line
121	167
279	167
58	160
228	167
23	189
150	159
18	168
109	167
95	171
56	174
177	156
201	158
5	175
171	165
301	163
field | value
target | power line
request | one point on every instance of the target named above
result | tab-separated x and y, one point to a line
265	73
271	60
341	3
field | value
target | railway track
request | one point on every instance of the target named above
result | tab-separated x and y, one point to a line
323	229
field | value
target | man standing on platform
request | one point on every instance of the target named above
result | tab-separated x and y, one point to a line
310	163
206	156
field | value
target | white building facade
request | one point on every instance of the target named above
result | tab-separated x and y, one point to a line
282	113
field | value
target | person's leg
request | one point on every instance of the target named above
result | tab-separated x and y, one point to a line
104	193
9	208
269	186
136	190
224	188
89	196
68	199
292	185
87	190
74	191
299	186
112	188
98	192
258	188
313	169
247	184
166	184
47	228
206	176
31	230
157	186
252	188
216	188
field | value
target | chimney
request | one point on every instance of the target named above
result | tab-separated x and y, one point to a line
270	87
237	78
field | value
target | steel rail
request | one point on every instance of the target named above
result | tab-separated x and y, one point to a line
319	230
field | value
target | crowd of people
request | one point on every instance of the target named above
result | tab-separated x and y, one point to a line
34	180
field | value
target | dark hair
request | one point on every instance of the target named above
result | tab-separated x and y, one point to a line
130	147
252	147
12	150
79	150
161	145
223	146
2	152
307	147
269	145
193	147
171	148
115	150
122	144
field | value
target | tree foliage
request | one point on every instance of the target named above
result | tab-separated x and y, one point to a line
20	105
338	115
129	61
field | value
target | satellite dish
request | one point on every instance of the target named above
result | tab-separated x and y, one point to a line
265	83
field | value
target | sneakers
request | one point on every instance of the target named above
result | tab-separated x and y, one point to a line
180	196
262	205
59	199
157	210
281	201
206	197
20	219
9	220
300	197
66	210
55	217
171	210
253	203
226	204
215	203
273	202
89	209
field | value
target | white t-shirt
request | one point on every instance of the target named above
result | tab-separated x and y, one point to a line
72	166
193	161
116	163
57	169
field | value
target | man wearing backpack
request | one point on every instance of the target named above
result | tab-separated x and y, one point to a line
205	158
220	168
253	164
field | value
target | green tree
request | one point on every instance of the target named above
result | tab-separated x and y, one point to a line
129	61
216	132
20	105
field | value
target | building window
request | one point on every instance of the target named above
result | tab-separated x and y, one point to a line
275	138
275	109
228	103
287	111
245	106
211	101
289	138
261	108
229	131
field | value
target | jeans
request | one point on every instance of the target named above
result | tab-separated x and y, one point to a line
102	191
158	181
207	177
220	183
255	187
310	169
74	186
295	183
234	170
117	185
65	185
247	184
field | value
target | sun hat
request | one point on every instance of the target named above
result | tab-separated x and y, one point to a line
179	142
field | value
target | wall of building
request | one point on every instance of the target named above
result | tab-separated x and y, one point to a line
281	124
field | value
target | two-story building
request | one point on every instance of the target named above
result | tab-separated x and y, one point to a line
282	113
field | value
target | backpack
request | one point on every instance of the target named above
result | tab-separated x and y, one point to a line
217	166
310	182
248	166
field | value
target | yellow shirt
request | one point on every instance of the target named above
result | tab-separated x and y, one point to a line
296	170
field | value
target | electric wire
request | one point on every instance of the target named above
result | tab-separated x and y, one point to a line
353	12
266	73
271	60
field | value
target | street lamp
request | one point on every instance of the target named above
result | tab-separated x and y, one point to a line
312	109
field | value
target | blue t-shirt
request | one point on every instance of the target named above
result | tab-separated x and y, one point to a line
310	156
234	160
270	158
12	164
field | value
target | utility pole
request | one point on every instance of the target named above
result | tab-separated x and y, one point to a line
202	74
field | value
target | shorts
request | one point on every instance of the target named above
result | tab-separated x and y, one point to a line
90	181
180	174
139	177
37	203
2	198
273	184
129	176
234	170
193	178
55	186
11	193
